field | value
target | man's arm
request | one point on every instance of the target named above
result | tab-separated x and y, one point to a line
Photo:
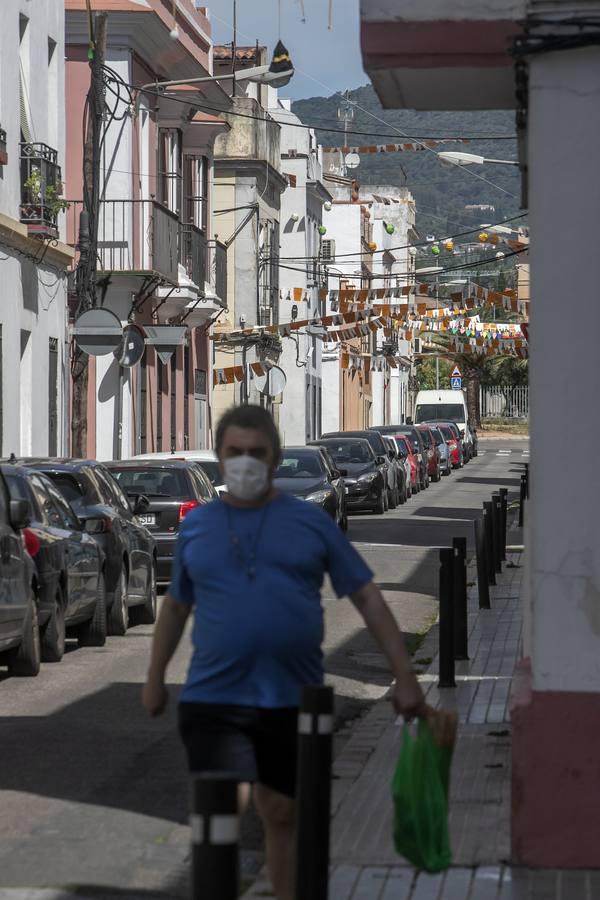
408	696
167	634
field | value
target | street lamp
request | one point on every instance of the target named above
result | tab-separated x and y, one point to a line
457	158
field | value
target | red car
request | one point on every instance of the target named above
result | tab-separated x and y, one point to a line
452	442
433	454
406	449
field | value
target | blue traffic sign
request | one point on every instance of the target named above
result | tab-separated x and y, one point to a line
456	382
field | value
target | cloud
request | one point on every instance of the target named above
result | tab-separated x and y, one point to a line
325	60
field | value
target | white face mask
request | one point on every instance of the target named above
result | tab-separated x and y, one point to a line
246	478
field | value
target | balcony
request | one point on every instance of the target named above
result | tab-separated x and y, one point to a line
217	269
192	254
139	238
41	190
213	296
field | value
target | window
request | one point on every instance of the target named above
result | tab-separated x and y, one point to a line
19	489
143	399
186	398
160	386
53	397
173	387
111	490
153	481
53	93
169	168
202	484
432	412
196	188
301	464
58	505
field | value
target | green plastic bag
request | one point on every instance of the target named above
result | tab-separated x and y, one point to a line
420	794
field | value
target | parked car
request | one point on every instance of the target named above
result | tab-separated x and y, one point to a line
19	629
376	442
206	459
173	487
406	450
401	494
443	450
419	448
433	454
303	472
69	565
336	478
355	458
404	460
128	546
454	443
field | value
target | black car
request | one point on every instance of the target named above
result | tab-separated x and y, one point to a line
172	488
19	630
69	565
128	546
417	441
380	451
363	478
303	472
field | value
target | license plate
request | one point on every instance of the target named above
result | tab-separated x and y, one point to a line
347	490
148	519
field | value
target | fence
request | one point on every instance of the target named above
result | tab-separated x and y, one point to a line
508	402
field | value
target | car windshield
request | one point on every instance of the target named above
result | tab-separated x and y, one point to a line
426	437
452	412
211	469
299	464
68	486
152	481
437	435
350	452
447	432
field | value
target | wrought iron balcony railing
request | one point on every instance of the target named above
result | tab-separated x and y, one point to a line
193	254
41	188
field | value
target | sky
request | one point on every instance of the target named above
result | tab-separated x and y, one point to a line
325	60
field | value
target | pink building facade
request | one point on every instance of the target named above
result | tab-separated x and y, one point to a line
159	267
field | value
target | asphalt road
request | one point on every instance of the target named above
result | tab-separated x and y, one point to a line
93	793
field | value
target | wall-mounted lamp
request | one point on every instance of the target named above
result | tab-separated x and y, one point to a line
294	312
327	205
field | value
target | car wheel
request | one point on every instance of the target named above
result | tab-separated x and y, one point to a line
380	508
53	639
345	520
392	503
146	613
386	501
93	632
402	496
24	660
118	617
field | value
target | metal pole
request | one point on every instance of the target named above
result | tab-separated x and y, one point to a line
504	499
214	823
527	480
461	627
522	494
497	512
313	801
488	521
446	655
482	572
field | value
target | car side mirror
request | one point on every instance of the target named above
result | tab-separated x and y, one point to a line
20	514
94	525
139	504
381	459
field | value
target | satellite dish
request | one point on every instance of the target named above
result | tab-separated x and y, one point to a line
352	160
132	346
98	332
271	384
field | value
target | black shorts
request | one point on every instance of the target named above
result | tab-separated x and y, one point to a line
256	744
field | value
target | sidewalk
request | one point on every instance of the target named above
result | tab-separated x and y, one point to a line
364	864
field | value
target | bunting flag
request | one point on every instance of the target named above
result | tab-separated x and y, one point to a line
397	148
230	374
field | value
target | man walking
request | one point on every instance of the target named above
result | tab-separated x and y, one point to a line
251	566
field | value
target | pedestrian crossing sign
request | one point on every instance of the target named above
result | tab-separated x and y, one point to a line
456	382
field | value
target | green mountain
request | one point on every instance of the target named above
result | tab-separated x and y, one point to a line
441	192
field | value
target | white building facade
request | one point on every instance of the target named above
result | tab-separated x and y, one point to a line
34	356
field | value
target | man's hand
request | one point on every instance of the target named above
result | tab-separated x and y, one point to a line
407	697
155	696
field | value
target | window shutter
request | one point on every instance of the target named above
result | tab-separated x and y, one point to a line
25	129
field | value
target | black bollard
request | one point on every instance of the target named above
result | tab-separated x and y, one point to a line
522	497
313	798
488	523
497	513
504	499
482	572
461	626
214	822
446	668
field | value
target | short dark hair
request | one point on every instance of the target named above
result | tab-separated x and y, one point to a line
249	416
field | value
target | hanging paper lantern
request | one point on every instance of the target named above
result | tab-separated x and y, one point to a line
322	230
372	246
484	237
435	249
389	228
449	245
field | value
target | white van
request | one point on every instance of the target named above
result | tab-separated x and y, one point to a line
443	406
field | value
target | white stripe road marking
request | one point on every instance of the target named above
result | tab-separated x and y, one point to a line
503	452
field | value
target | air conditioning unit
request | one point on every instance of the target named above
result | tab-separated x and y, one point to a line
265	315
328	250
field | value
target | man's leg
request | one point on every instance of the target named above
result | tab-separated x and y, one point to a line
277	814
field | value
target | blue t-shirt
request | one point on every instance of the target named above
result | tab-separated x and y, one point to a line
257	640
